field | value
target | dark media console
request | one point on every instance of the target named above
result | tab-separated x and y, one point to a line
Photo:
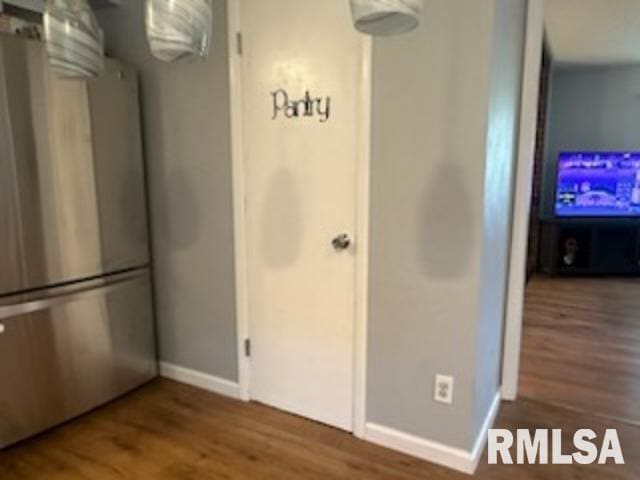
591	246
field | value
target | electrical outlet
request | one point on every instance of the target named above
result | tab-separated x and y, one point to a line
443	389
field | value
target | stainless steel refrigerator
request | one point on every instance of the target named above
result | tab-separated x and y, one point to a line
76	318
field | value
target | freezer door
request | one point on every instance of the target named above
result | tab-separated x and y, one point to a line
73	172
68	351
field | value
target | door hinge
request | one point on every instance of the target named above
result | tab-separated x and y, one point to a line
247	347
239	47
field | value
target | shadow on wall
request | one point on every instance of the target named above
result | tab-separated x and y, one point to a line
281	231
173	144
446	232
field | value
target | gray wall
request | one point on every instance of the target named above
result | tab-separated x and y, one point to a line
444	111
443	124
591	108
187	143
504	112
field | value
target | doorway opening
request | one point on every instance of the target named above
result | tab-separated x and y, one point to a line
580	343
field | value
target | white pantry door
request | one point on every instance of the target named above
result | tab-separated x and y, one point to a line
302	102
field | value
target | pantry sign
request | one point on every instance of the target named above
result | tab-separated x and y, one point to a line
307	106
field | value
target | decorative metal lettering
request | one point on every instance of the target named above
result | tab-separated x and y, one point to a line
307	106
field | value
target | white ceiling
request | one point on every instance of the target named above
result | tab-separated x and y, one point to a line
594	31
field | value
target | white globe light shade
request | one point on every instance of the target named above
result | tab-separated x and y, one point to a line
179	29
74	40
386	17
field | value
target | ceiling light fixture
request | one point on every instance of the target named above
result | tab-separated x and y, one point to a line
74	40
386	17
179	29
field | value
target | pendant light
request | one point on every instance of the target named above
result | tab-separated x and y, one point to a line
179	29
74	40
386	17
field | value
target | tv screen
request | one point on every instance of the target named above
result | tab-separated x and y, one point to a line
598	184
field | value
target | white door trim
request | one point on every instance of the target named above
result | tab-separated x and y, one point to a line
239	196
240	222
363	177
522	198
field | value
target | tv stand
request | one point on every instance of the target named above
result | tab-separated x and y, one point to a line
590	246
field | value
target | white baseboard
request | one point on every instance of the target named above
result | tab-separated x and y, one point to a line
428	450
455	458
481	441
201	380
508	394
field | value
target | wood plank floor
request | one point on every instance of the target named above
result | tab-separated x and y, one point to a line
168	431
581	345
580	369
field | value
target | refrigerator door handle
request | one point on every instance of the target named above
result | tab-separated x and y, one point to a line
24	308
42	304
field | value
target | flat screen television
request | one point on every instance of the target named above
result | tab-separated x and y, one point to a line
598	184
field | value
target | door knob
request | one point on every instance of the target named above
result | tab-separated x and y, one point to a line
341	242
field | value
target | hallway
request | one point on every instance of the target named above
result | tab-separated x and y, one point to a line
581	345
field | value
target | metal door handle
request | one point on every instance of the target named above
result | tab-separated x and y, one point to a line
341	242
100	288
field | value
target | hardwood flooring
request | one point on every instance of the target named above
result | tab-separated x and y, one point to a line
580	369
168	431
581	345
